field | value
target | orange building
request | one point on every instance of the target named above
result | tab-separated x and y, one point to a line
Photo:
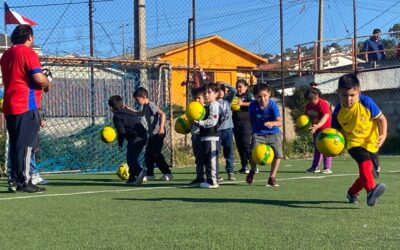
220	59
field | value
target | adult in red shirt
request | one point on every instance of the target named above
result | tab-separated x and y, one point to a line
23	81
320	114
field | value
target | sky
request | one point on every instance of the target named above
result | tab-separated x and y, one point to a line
63	25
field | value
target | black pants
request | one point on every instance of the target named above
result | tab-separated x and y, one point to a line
23	130
242	133
135	147
153	155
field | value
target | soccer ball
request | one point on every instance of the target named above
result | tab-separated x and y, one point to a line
182	125
262	154
303	122
123	171
195	111
235	104
1	104
330	142
108	134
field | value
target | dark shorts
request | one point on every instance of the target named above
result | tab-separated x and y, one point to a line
360	154
273	140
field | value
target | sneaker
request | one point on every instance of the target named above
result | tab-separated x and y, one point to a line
139	179
130	182
149	178
196	182
257	171
231	177
272	182
166	177
250	177
219	179
313	170
353	198
374	194
30	188
244	170
208	185
37	179
327	171
12	186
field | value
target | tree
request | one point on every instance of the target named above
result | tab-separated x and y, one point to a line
395	28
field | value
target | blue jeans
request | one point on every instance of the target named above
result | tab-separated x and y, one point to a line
226	141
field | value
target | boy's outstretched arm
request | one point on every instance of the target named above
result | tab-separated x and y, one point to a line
139	113
382	125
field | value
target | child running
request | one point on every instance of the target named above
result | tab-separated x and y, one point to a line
266	120
364	128
320	114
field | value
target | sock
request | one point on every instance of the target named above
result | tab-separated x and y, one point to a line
367	175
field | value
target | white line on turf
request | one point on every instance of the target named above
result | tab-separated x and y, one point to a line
168	187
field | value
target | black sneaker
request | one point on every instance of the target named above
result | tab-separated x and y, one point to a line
130	181
313	170
250	177
353	198
374	194
272	182
30	188
12	186
244	170
196	182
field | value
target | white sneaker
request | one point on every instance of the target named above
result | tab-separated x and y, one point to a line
327	171
166	177
208	185
149	178
37	179
257	171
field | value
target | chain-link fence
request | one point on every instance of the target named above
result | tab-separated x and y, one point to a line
76	110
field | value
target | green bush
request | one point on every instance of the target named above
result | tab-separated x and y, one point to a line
301	147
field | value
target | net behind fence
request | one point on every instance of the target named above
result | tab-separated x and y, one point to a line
76	110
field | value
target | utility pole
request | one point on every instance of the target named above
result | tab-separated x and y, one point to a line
123	39
194	38
140	38
355	47
320	52
91	46
282	80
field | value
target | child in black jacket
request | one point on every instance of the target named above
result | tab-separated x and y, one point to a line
130	128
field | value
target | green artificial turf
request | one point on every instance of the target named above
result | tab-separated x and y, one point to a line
96	211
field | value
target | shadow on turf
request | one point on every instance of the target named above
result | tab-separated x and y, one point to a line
283	203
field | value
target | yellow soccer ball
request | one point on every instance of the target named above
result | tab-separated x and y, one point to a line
235	104
1	104
303	122
195	111
262	154
123	171
108	134
182	125
330	142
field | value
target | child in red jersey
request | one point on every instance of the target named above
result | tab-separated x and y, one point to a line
320	114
